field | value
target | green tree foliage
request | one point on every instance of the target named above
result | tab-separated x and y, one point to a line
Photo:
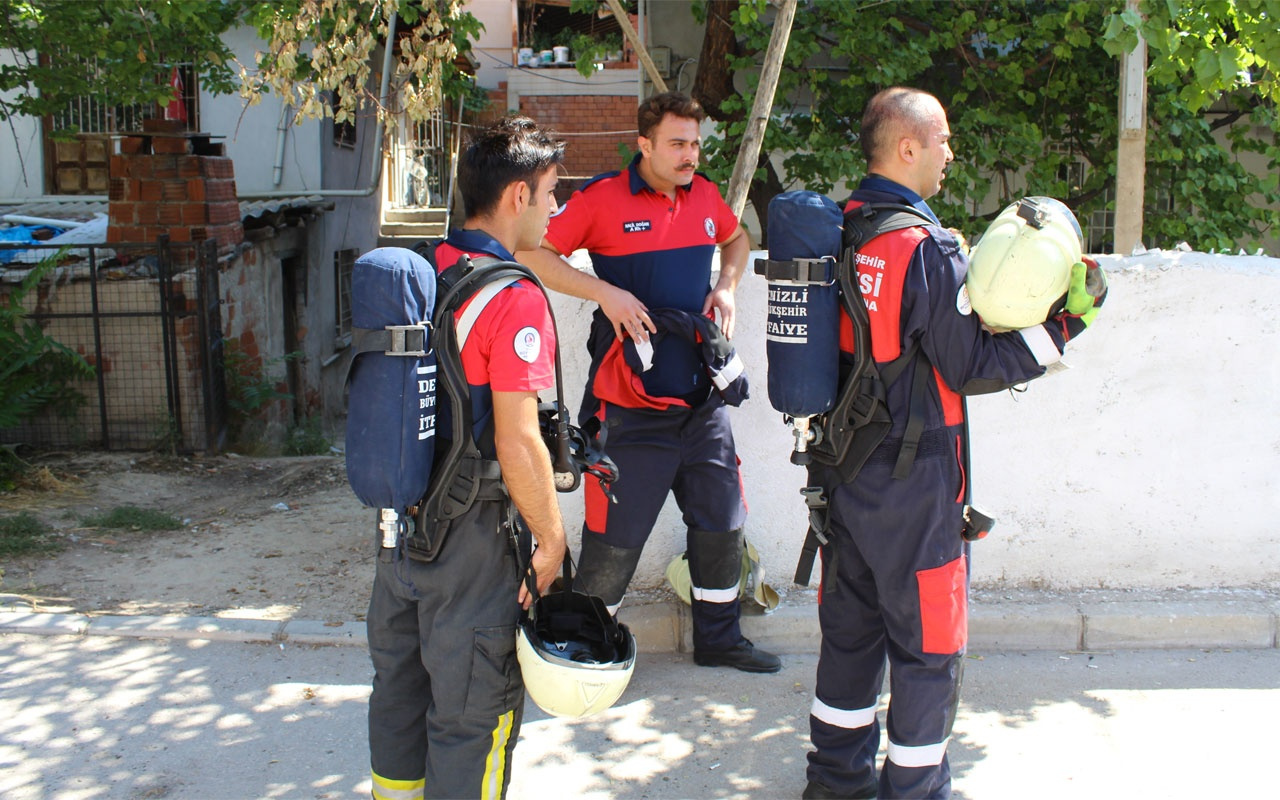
319	55
36	372
115	52
1031	87
317	52
1205	48
1212	74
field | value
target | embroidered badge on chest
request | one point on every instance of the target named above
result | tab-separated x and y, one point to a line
709	225
527	344
638	226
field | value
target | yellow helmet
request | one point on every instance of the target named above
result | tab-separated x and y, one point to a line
1020	268
576	659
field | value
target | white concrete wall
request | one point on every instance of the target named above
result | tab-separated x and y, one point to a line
1153	462
252	133
494	46
21	156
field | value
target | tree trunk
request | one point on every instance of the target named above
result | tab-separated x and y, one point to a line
760	193
713	84
713	81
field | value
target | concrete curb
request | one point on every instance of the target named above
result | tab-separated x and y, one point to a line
1251	622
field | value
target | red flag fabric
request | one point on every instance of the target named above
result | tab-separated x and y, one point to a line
176	108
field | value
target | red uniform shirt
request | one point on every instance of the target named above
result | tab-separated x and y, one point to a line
512	345
639	239
658	248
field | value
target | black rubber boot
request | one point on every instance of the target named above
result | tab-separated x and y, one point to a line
604	570
715	565
744	656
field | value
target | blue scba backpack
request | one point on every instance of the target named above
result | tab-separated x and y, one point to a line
391	418
406	369
838	412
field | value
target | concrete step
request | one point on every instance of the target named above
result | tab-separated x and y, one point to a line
424	215
403	241
413	230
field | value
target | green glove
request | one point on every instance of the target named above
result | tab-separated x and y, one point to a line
1085	295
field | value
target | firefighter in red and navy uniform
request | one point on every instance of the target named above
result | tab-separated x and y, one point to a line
652	230
447	697
895	574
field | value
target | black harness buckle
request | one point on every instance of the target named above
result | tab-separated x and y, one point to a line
408	340
799	270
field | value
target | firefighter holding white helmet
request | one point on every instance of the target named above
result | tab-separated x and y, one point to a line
896	564
1020	270
448	699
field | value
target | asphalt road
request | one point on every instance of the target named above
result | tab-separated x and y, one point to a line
84	717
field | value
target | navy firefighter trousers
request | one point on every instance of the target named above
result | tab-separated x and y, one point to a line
894	588
690	453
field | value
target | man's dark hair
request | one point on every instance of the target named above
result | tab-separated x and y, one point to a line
655	108
898	107
509	150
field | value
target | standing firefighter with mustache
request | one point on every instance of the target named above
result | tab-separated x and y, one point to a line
662	370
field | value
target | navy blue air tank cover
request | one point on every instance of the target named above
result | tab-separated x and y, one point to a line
391	410
802	339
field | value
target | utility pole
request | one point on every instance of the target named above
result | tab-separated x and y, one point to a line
1131	152
749	153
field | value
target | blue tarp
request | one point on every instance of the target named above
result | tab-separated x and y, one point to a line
21	234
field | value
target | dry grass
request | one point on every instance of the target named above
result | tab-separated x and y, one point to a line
39	485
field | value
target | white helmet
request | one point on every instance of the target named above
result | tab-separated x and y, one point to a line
575	658
1020	268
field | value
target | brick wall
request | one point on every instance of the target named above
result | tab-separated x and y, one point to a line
592	125
165	182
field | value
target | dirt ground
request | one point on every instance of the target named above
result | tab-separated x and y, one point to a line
264	538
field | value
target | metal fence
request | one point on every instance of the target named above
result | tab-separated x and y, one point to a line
146	318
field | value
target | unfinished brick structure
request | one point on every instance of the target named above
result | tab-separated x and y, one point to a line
165	181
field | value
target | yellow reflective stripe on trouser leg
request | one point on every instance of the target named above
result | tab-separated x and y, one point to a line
388	789
495	765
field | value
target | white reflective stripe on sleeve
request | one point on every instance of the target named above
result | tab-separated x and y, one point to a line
925	755
729	374
716	595
645	351
477	305
388	789
842	717
1041	345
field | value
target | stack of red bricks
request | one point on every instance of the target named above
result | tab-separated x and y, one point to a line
168	182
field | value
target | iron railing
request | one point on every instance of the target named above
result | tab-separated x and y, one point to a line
418	164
